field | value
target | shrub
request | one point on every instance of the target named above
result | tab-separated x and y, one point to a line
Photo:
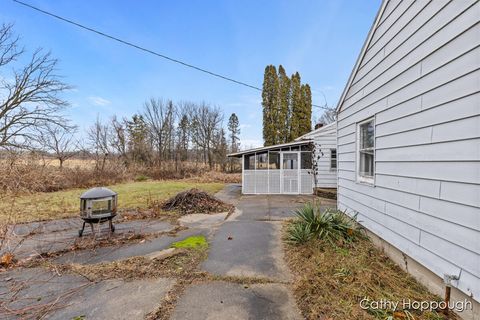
330	225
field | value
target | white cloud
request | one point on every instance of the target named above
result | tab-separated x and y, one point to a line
244	126
250	143
99	101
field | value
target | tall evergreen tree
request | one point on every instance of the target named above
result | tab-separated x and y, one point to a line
234	128
138	142
270	106
306	111
296	107
284	112
183	137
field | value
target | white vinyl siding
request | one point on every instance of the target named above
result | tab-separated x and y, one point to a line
325	139
419	77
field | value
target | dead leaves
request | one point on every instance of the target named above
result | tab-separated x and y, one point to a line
7	260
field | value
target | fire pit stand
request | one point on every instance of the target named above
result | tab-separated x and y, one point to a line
98	205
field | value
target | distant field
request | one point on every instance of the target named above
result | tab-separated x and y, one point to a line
69	163
54	205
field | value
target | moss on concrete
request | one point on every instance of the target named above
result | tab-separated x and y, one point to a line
191	242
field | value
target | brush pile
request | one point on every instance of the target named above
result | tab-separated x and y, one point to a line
195	201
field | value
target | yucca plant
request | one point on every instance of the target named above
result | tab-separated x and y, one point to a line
329	225
299	233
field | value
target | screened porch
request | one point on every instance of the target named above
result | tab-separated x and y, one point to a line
280	169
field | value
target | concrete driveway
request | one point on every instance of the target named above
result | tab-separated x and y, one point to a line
247	244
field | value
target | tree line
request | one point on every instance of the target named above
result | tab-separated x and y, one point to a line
287	106
31	118
167	132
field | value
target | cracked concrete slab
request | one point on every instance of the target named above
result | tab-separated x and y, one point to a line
254	250
47	237
27	292
236	302
36	293
117	299
119	252
202	220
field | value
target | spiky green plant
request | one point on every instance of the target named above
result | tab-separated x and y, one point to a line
329	225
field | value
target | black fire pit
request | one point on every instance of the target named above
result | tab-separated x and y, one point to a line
98	205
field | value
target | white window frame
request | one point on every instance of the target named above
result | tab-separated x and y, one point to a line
370	180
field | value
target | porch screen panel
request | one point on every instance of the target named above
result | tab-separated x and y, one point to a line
274	181
261	181
249	181
306	182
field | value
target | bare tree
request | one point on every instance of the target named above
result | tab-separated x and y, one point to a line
118	139
9	49
98	138
328	116
29	98
58	140
159	117
205	123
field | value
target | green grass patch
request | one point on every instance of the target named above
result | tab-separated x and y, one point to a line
191	242
61	204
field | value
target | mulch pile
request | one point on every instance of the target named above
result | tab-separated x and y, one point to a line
195	201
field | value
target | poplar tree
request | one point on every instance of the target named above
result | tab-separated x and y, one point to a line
270	106
306	111
284	111
296	107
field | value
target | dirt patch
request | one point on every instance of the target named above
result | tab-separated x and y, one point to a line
330	281
326	193
195	201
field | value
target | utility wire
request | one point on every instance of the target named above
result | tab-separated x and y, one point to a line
103	34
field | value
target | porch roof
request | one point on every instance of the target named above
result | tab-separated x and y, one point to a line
276	146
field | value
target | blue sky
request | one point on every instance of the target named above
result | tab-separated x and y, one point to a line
320	39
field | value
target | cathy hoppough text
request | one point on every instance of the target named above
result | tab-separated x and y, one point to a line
407	304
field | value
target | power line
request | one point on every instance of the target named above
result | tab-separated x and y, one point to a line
103	34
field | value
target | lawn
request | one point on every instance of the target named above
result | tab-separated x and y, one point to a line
54	205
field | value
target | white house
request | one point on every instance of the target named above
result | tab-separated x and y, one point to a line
408	133
325	138
287	168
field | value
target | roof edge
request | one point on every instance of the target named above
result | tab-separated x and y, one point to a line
275	146
362	53
325	127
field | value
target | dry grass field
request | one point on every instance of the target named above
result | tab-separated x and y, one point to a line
53	205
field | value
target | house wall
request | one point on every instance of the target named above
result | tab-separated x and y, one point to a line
325	139
419	77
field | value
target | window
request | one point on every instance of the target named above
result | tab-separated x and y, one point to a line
333	158
366	151
290	161
262	161
273	160
306	160
249	162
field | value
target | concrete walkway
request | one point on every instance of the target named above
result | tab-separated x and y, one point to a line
248	244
